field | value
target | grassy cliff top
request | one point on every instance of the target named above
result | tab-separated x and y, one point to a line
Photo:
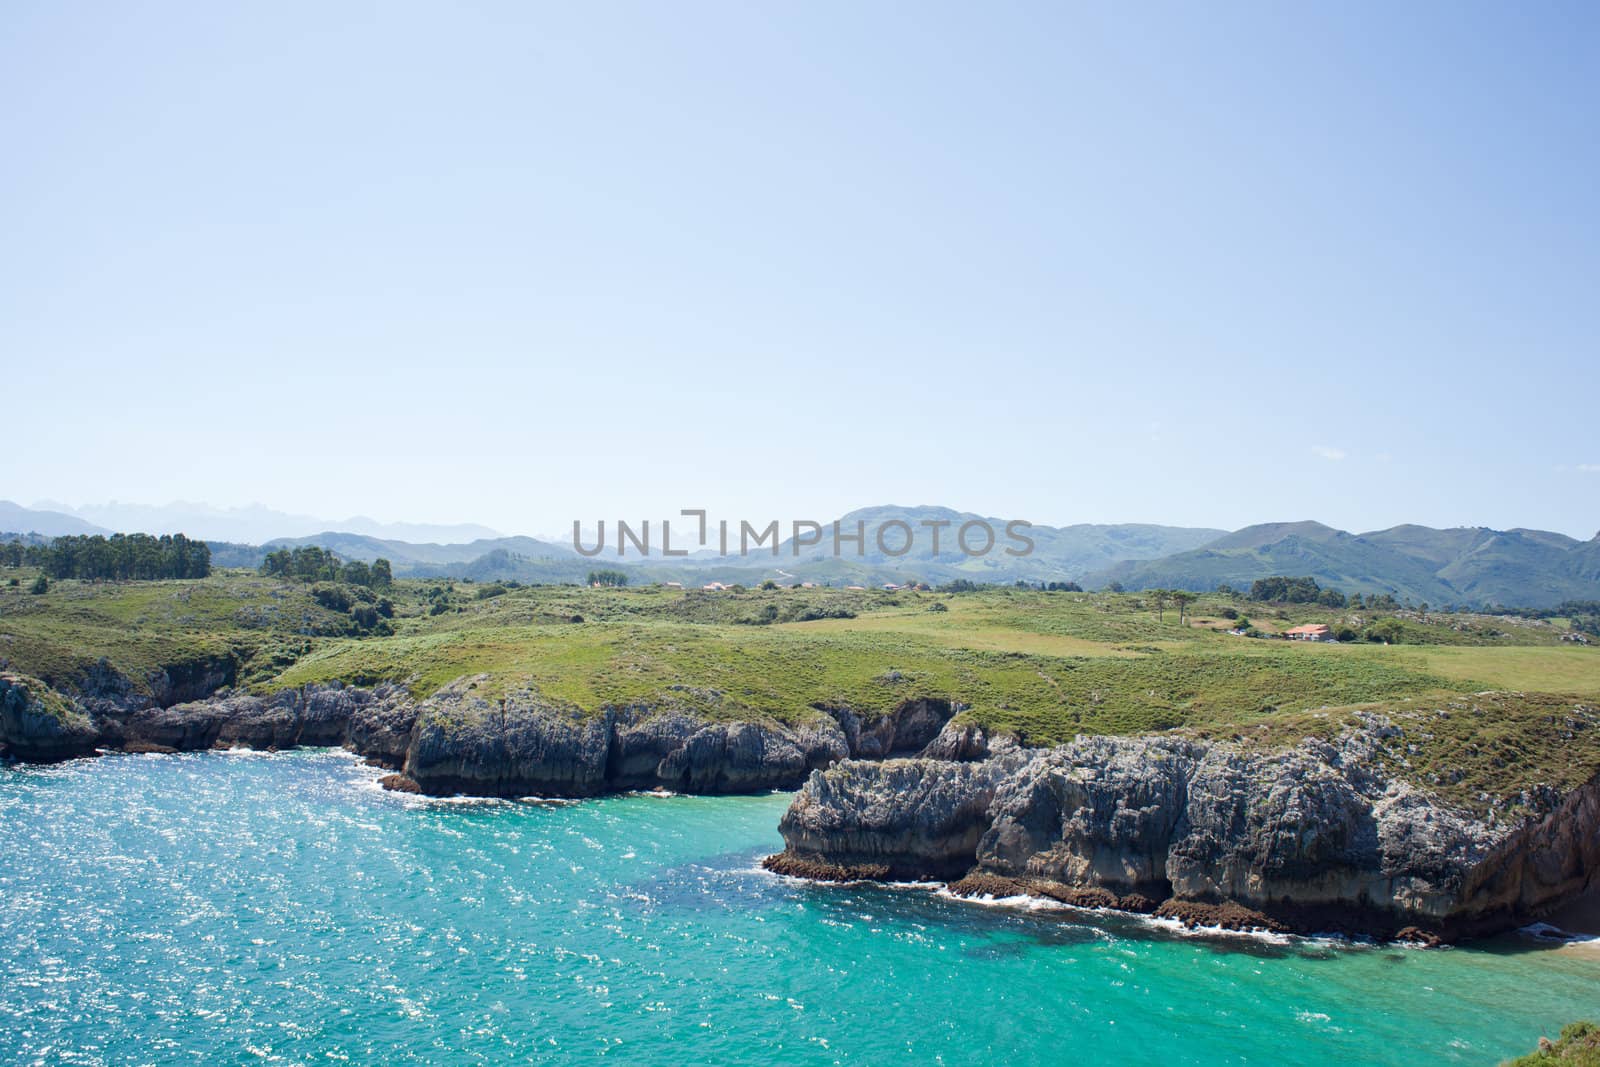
1047	666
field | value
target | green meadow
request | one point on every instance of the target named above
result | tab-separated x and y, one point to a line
1046	666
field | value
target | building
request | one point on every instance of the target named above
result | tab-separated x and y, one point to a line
1311	632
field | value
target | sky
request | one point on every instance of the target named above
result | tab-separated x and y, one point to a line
518	264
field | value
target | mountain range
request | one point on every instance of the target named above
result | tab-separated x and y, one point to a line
253	524
1468	566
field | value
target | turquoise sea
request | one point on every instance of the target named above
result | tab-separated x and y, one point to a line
216	909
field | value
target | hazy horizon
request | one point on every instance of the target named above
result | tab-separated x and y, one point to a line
464	528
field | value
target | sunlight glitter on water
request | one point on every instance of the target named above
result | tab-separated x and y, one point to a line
203	908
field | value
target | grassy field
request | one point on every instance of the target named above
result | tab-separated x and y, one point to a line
1047	666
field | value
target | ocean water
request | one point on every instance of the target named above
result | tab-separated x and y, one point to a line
217	909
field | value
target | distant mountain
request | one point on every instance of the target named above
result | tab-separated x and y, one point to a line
428	558
1468	565
1063	553
1058	553
1471	566
14	518
256	524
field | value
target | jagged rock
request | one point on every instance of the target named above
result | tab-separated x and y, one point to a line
905	731
917	818
315	715
518	745
39	725
463	739
1100	812
1314	838
963	742
380	728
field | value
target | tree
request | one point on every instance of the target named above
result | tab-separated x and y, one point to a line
1113	587
1183	599
1160	597
610	579
1281	590
122	557
382	575
1386	631
40	586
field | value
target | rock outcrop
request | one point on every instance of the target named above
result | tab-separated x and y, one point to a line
465	738
1313	838
519	744
39	725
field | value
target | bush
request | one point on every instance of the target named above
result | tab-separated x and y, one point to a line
331	597
1228	613
1387	632
937	606
40	586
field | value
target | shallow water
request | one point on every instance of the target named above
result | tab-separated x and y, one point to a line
240	909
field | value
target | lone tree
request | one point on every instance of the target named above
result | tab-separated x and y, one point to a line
1161	597
1183	599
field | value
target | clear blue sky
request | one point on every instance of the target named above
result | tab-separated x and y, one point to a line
517	264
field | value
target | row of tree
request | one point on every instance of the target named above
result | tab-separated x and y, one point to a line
123	557
1179	598
312	563
1281	590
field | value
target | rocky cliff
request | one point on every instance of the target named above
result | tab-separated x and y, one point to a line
1316	837
39	725
461	739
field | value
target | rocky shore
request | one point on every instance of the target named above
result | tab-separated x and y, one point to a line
460	741
1313	839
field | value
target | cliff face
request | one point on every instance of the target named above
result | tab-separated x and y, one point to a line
461	741
1313	838
41	726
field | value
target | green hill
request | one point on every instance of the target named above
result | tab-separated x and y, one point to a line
1468	565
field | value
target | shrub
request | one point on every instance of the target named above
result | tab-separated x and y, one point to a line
40	586
331	597
1386	631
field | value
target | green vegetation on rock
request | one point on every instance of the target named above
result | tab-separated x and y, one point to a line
1578	1046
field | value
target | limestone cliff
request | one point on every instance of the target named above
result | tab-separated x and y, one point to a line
39	725
1316	837
465	739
